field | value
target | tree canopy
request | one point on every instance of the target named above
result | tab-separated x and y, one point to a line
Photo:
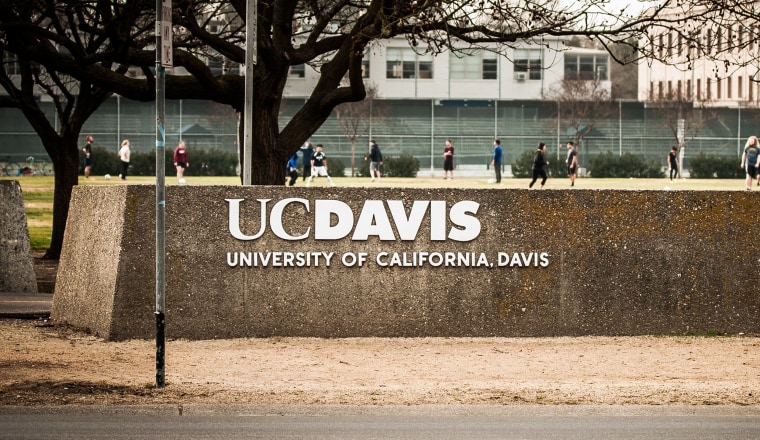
94	40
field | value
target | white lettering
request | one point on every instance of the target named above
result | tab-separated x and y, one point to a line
373	220
438	220
234	219
334	220
470	225
275	219
323	215
408	227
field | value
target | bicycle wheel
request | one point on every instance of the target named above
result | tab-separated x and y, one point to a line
46	169
12	169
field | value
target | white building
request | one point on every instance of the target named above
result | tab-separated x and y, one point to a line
525	73
717	65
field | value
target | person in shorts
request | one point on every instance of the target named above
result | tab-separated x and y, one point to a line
750	160
87	157
448	159
319	166
180	160
572	162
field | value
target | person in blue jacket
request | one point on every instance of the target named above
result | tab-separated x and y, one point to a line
292	169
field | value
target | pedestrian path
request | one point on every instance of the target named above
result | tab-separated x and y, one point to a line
25	305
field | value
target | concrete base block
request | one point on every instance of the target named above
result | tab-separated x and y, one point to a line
616	263
16	262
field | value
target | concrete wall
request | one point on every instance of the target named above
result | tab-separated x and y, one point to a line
619	263
16	263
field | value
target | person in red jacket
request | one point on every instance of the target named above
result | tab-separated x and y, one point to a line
180	161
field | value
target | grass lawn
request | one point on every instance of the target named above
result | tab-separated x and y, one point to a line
38	190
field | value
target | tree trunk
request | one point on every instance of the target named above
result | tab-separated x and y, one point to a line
268	159
65	160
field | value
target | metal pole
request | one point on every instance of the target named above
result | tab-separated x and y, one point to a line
250	62
432	135
160	196
118	120
620	127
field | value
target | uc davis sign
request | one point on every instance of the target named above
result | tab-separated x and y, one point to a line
344	262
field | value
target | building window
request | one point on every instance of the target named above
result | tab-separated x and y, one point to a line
528	63
718	89
709	88
679	91
739	87
10	62
728	88
587	67
365	68
405	63
699	89
473	64
661	46
670	44
297	71
688	89
680	44
749	90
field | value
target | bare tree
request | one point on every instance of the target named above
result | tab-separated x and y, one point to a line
73	102
356	119
581	103
331	35
681	115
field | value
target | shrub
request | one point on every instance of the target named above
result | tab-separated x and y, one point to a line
405	165
523	166
626	165
202	163
705	166
336	167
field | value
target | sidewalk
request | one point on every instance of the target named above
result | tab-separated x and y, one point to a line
25	305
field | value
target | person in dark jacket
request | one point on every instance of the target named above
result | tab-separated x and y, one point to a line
539	161
375	160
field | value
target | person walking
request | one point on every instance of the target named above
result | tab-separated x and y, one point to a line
539	161
673	165
124	157
496	161
750	160
87	157
448	159
319	166
292	169
572	162
375	160
180	161
306	152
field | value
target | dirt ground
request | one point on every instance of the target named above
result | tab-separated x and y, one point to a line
41	364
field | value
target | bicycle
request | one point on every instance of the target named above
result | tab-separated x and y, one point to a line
10	168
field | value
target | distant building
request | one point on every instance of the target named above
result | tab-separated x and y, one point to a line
527	72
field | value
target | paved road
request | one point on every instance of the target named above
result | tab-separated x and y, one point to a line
431	422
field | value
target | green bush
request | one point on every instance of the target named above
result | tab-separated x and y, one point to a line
522	167
336	167
626	165
710	167
405	165
202	163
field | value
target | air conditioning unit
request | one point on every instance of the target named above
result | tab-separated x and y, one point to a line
521	76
